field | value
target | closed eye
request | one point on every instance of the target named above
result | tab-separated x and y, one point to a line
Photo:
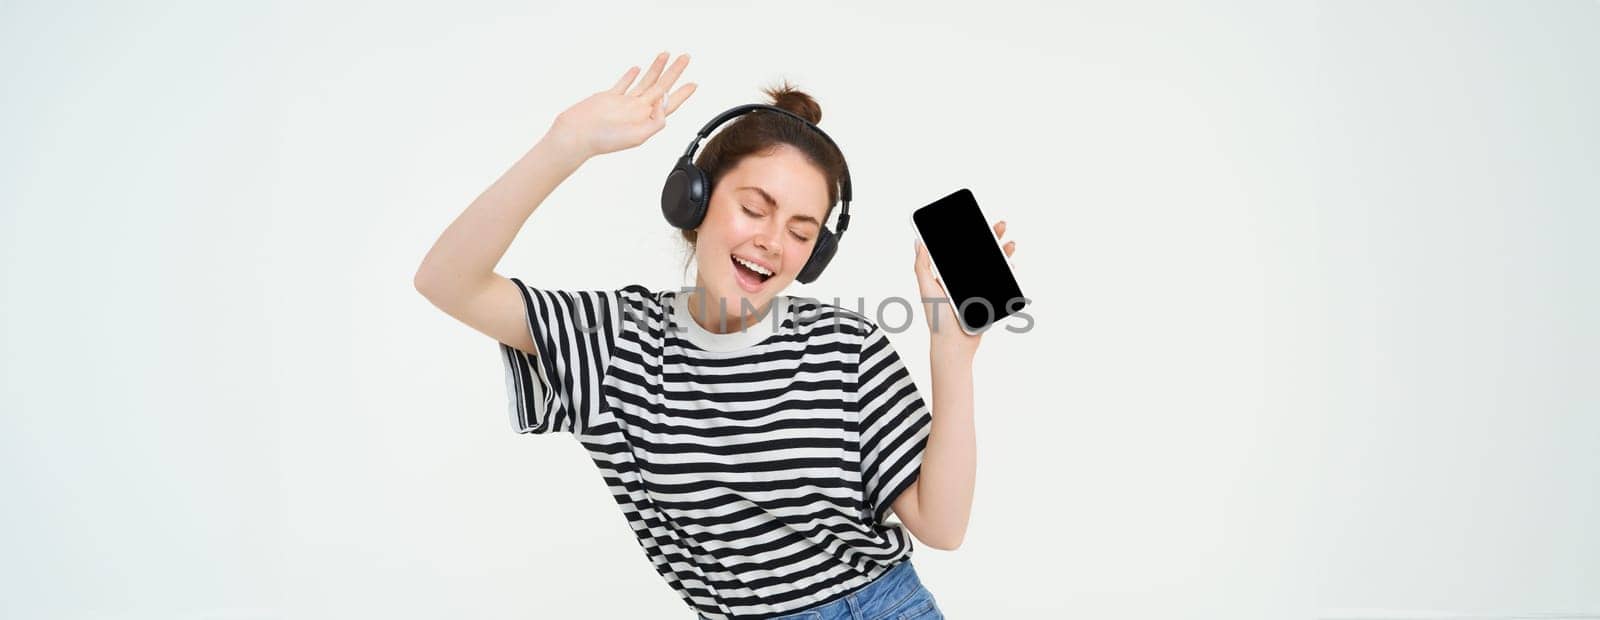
799	237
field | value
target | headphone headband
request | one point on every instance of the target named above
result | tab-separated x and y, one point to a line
686	195
844	179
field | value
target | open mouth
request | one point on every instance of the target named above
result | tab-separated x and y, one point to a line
749	278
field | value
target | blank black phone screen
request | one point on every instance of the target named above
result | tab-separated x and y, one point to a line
972	266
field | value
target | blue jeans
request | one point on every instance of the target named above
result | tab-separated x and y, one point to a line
897	594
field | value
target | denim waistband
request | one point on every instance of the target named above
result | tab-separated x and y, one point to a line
888	591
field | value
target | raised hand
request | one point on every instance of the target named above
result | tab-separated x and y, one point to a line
946	332
621	117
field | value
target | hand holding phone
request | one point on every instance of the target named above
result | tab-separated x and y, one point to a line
965	257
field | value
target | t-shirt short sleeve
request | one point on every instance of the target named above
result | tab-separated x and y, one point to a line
894	423
560	388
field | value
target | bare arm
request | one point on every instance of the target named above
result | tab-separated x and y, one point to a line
457	275
938	512
464	257
938	506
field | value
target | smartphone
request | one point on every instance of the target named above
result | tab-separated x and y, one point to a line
972	268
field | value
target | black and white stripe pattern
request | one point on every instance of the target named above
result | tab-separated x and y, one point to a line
757	479
573	333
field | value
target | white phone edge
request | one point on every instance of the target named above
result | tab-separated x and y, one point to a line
912	218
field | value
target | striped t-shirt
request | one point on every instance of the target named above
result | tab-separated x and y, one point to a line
757	467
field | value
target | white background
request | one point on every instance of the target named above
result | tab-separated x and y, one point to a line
1314	322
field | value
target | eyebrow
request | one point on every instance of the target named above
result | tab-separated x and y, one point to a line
773	203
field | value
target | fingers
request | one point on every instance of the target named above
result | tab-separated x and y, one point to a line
679	97
649	76
659	87
1000	231
622	84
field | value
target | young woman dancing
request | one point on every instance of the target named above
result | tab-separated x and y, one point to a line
755	441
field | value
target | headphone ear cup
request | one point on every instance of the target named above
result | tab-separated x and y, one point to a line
685	195
821	253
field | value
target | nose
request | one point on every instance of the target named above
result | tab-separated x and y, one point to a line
767	241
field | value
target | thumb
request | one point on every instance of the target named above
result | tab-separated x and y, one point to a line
922	257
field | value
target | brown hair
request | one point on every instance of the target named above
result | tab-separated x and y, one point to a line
763	131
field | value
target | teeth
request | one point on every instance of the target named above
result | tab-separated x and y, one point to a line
753	267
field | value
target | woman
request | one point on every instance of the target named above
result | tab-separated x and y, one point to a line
755	441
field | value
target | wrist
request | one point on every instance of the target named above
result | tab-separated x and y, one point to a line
951	349
564	145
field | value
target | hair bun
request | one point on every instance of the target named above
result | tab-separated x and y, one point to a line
794	100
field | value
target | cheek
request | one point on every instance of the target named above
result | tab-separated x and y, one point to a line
727	224
800	251
719	231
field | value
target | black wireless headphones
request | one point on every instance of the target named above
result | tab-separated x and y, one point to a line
687	193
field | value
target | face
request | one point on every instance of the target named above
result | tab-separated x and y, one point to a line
767	210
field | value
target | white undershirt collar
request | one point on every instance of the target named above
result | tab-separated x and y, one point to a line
688	329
